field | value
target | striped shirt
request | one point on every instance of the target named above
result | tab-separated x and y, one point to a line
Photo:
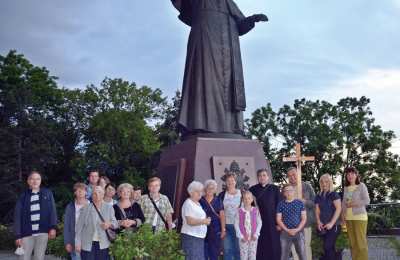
35	212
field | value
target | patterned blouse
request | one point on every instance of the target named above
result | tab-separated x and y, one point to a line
150	212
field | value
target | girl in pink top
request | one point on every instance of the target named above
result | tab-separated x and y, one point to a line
248	225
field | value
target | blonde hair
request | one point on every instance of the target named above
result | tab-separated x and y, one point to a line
247	192
124	186
329	178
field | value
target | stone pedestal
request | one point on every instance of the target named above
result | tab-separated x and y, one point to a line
202	158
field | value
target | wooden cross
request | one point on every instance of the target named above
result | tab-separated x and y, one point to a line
299	159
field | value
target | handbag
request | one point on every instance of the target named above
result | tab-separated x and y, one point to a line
111	234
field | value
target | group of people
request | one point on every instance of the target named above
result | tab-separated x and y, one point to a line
264	222
91	219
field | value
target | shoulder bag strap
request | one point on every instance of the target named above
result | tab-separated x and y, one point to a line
98	212
158	211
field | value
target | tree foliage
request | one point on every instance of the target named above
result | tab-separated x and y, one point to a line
62	132
338	135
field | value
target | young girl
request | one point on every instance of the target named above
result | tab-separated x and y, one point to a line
248	226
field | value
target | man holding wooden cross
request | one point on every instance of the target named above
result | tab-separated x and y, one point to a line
305	193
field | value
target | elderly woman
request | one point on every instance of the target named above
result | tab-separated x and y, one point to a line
214	209
231	202
327	212
72	212
194	223
355	199
91	237
128	213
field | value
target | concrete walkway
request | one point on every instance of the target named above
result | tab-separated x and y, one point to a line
379	249
12	256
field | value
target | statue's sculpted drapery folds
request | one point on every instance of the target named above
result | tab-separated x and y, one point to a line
213	94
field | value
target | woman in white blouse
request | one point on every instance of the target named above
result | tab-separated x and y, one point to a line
195	221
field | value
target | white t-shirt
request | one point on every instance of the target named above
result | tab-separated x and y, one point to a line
194	210
231	205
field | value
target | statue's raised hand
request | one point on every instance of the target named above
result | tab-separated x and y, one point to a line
259	18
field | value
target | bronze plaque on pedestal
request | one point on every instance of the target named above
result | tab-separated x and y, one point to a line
242	167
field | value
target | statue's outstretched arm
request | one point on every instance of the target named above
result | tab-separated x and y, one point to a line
247	24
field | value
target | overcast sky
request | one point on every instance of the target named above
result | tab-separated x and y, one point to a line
313	49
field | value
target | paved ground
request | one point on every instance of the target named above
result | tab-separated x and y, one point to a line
11	256
379	249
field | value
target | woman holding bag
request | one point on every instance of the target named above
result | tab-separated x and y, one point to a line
129	214
94	228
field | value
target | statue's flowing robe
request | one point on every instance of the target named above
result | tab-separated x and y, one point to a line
213	96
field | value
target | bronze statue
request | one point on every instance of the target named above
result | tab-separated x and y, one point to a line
213	95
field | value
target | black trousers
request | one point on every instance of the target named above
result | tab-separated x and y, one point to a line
329	240
96	253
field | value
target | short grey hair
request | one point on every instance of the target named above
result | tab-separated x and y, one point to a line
210	182
194	185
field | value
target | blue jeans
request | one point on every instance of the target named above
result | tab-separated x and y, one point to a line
231	244
75	256
193	247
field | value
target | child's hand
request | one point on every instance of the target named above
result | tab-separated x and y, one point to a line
244	240
292	232
253	238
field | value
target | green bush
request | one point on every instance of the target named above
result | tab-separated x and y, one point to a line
144	244
55	246
377	223
6	238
